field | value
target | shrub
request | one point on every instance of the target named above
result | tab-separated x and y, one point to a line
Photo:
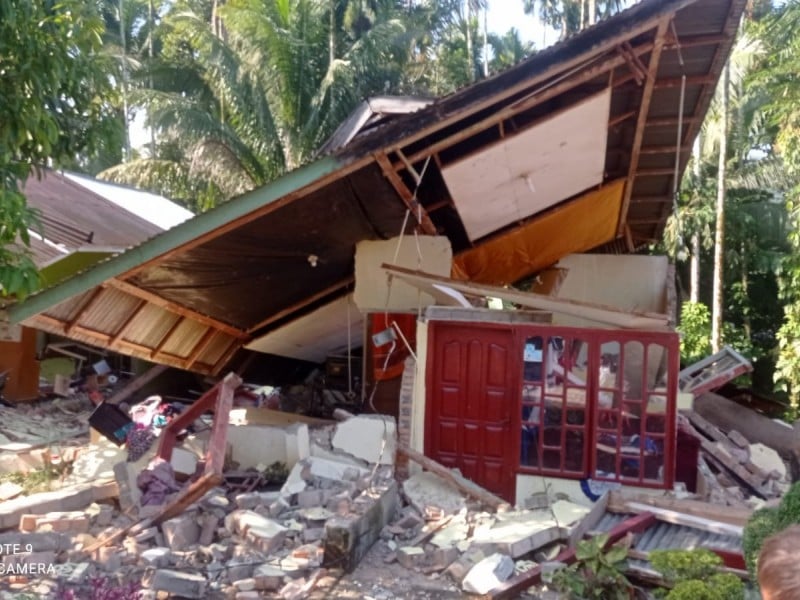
693	573
767	521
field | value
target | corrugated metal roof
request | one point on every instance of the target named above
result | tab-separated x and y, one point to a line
244	267
670	536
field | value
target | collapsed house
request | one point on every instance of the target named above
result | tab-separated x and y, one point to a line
80	222
561	168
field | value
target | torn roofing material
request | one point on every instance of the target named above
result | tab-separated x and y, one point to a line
195	294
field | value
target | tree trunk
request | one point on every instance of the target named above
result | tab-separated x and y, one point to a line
592	11
694	270
694	263
719	237
150	27
124	87
486	41
332	34
468	20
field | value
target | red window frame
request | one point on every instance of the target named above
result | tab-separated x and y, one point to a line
632	441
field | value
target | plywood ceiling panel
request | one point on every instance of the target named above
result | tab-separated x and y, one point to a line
316	335
532	171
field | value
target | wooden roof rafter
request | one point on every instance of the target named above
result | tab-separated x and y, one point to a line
175	308
644	108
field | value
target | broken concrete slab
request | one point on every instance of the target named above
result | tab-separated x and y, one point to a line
426	491
253	445
488	574
767	459
181	532
517	537
180	583
372	438
65	499
9	490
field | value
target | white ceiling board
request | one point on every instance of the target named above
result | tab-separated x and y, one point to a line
534	170
316	335
373	293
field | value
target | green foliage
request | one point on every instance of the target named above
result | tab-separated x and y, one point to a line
767	521
677	565
695	330
693	589
693	574
597	573
54	106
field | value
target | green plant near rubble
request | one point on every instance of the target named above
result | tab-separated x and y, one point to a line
767	521
277	472
597	574
38	480
693	575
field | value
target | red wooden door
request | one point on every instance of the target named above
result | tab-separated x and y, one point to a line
471	392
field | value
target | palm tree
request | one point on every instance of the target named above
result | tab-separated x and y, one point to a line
238	109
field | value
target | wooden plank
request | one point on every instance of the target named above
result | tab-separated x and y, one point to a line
619	500
679	518
127	323
226	357
589	522
588	310
301	304
137	383
86	307
543	94
406	195
462	484
170	331
175	308
200	347
641	119
614	121
519	583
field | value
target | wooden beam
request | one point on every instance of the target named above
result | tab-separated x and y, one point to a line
438	205
543	94
692	41
629	239
663	149
614	121
654	172
126	324
587	310
300	305
634	66
168	335
650	199
175	308
226	357
465	485
641	119
406	195
137	383
86	307
690	80
669	121
619	499
103	339
200	347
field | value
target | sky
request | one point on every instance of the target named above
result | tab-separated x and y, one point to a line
505	14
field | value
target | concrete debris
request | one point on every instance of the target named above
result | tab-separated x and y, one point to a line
488	574
766	459
432	496
372	438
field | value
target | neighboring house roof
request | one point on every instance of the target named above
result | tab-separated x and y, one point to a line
371	113
581	144
78	214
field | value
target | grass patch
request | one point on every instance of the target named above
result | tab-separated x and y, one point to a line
38	480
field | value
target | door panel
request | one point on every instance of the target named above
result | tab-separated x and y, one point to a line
470	403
